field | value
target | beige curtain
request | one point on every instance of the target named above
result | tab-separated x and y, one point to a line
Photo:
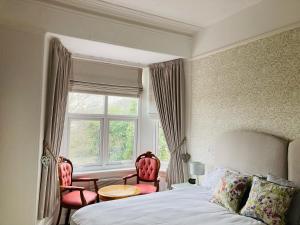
168	88
59	70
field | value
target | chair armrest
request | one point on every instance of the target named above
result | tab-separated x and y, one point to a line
72	188
76	188
87	179
84	179
128	177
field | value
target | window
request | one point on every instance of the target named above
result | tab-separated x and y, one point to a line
102	130
162	150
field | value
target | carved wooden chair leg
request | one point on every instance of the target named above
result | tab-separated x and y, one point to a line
59	214
67	217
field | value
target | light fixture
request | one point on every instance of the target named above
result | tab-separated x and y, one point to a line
197	169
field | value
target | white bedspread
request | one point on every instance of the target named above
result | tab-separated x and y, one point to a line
189	206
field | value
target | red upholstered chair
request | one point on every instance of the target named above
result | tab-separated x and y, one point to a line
147	167
73	197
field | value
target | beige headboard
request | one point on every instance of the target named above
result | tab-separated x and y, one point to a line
252	152
294	162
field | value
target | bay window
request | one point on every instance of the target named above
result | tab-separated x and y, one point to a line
102	130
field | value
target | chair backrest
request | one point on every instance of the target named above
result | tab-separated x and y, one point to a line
147	167
65	170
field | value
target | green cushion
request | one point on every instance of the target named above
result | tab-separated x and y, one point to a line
230	190
268	202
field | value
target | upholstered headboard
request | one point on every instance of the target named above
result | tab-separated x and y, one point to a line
253	152
294	162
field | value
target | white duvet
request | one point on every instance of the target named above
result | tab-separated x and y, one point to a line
188	206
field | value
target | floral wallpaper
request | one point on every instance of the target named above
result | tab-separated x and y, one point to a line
254	86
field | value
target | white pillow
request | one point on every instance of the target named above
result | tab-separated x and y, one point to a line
280	181
211	179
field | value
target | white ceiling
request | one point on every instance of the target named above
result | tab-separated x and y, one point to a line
179	15
182	16
195	12
111	53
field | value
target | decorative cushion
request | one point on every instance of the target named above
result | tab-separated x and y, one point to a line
147	169
268	202
73	198
230	190
146	188
293	215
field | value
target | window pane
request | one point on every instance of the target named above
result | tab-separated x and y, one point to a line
163	150
121	140
84	141
122	105
86	103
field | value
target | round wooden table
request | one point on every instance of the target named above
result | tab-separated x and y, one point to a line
113	192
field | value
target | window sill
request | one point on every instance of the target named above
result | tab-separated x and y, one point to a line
110	173
103	171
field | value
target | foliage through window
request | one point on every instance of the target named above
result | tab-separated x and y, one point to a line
163	152
102	130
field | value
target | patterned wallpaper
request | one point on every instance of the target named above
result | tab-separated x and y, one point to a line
254	86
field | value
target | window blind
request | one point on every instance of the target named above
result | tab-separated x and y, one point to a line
106	78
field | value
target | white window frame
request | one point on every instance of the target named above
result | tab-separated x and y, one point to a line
104	119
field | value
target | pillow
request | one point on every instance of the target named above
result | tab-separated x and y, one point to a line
212	178
293	215
268	202
280	181
230	190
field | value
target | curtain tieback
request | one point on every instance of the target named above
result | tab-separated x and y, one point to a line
180	144
45	159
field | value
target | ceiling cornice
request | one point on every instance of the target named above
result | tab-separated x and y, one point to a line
128	15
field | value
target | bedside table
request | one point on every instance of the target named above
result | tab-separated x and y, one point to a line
182	186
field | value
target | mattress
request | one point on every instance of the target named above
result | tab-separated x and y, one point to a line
188	206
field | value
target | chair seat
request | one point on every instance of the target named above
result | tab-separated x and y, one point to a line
146	188
73	198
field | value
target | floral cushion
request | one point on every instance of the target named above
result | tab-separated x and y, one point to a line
230	190
268	202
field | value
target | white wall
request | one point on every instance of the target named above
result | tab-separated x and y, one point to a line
253	21
21	81
94	27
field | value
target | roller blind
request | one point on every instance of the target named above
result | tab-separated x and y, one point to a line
106	78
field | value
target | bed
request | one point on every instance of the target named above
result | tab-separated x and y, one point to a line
238	150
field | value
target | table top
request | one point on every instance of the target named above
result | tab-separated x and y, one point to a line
113	192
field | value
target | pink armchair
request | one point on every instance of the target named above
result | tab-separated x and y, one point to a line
147	168
73	197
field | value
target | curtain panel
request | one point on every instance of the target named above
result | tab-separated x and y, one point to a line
106	78
168	89
59	70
